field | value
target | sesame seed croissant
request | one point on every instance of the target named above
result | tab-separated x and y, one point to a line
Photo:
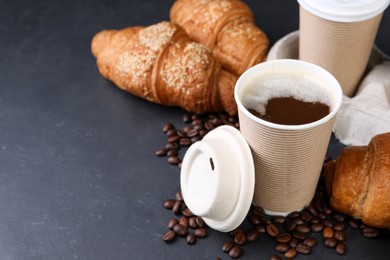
161	64
225	26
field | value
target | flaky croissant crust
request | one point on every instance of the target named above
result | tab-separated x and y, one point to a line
359	185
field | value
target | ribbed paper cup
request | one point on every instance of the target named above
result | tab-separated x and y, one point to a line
287	158
339	35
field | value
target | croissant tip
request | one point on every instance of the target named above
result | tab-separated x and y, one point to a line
100	40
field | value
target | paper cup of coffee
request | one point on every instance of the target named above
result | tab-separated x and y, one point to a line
288	157
338	35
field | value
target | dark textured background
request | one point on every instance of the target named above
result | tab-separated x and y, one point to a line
78	174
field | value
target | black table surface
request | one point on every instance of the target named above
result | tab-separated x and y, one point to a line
79	178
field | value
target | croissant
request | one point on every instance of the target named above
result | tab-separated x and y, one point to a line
227	27
161	64
359	182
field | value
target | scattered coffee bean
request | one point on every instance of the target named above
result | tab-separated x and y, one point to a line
251	235
191	239
227	246
240	238
310	241
187	212
284	238
341	248
260	228
161	152
200	222
168	204
169	236
317	227
299	235
353	223
176	207
172	222
183	221
282	247
276	257
180	230
278	219
167	127
294	242
327	232
291	253
330	242
200	232
303	249
235	252
303	228
339	226
339	235
370	232
272	230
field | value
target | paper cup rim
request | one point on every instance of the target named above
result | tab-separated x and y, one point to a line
340	11
275	64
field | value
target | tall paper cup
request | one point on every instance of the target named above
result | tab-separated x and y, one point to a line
338	35
287	158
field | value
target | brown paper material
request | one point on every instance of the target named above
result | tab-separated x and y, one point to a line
342	48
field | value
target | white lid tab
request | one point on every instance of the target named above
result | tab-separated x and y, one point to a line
217	178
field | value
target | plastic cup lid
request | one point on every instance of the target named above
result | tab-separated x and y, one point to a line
217	178
345	10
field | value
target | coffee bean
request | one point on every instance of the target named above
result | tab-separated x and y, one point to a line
167	127
200	232
291	253
278	219
183	221
180	230
327	232
173	138
283	238
192	133
259	211
161	152
187	212
339	217
327	223
303	249
171	132
172	152
176	207
227	246
330	242
312	210
339	226
321	216
306	216
200	222
272	230
192	222
251	235
185	141
317	227
315	220
174	160
353	223
276	257
240	238
169	236
235	252
298	221
282	247
341	248
254	219
370	232
294	214
299	235
186	118
339	235
168	204
310	241
294	242
303	228
172	146
191	239
260	228
172	222
291	226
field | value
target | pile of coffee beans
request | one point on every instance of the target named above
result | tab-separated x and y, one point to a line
298	233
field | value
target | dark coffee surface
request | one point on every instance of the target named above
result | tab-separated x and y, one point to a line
291	111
